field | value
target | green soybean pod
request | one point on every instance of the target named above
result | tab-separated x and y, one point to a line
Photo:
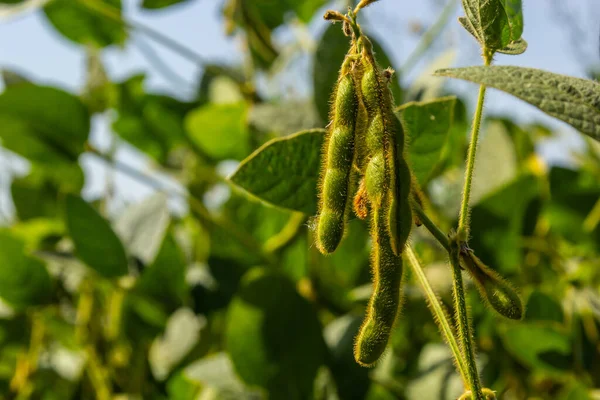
495	290
384	304
336	169
385	136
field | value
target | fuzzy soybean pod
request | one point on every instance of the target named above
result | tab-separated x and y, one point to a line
336	170
494	289
384	305
385	143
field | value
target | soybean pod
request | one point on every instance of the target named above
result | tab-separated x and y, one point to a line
384	140
384	304
338	158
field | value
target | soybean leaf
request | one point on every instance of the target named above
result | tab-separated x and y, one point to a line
156	4
143	226
572	100
273	336
426	125
496	24
164	279
95	242
538	346
330	54
152	123
542	307
219	130
85	26
45	125
24	280
288	169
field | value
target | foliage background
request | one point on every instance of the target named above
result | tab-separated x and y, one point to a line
198	291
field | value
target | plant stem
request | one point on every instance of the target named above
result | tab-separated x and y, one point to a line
439	314
463	219
437	233
464	328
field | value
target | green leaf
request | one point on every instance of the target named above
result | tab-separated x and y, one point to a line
542	307
24	280
219	130
43	124
142	227
164	279
152	123
95	242
85	26
573	100
273	336
156	4
496	24
537	346
284	171
329	56
426	125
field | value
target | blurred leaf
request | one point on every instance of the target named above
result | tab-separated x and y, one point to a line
574	194
284	171
164	278
157	4
284	118
142	227
572	100
328	58
24	280
426	127
496	162
274	337
82	25
351	379
43	124
336	275
539	346
95	242
542	307
34	198
219	130
39	233
497	224
99	93
152	123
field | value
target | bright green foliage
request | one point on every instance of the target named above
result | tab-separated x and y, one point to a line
78	23
158	4
290	170
273	336
573	100
95	242
427	125
219	130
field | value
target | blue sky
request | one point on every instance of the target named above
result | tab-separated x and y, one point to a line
30	45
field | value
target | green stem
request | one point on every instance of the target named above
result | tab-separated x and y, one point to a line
463	220
439	314
464	328
437	233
